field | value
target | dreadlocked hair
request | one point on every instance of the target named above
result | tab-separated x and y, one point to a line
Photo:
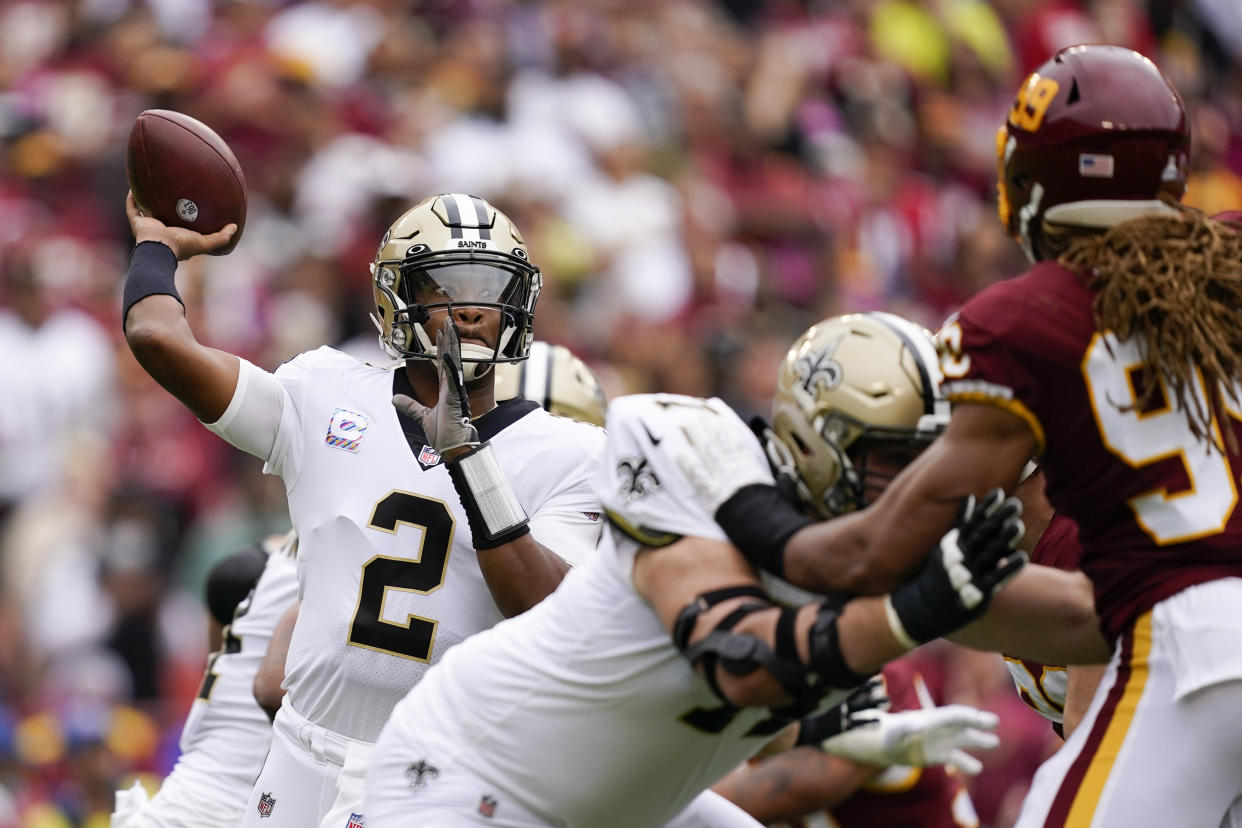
1174	281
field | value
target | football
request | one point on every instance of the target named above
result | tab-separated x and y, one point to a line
184	174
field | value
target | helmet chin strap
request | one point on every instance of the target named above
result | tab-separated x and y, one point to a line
474	370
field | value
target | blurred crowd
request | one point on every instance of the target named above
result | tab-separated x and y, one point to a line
698	179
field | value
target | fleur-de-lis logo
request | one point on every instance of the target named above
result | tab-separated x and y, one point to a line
637	479
420	773
818	370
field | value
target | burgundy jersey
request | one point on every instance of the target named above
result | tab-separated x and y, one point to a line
926	797
1154	505
1043	686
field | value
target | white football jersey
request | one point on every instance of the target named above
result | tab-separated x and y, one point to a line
226	734
388	572
582	708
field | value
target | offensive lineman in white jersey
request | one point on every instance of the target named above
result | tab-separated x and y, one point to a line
661	663
409	542
226	734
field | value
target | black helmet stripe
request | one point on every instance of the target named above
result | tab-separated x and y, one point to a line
458	207
480	211
547	384
929	390
454	215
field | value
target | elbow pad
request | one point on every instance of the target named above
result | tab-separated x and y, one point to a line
231	580
743	653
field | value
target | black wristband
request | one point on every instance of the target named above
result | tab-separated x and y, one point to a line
926	605
152	269
759	522
481	537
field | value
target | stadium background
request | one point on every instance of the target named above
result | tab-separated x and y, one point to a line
698	180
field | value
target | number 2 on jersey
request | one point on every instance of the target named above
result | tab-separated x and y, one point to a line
1111	368
422	575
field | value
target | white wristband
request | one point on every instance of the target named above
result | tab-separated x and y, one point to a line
489	486
896	627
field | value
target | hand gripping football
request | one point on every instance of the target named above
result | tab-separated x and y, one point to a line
182	173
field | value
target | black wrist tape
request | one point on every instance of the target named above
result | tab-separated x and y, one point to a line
151	270
759	522
921	614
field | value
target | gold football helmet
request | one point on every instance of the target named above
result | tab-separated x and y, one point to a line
454	250
854	390
556	379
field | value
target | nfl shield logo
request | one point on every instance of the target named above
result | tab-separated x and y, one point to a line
428	456
266	803
356	821
487	805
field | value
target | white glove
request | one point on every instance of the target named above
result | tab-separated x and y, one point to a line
720	460
447	425
935	736
130	804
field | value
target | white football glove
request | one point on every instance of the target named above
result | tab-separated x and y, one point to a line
935	736
719	461
131	803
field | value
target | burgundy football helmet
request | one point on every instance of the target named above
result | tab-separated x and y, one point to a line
1096	136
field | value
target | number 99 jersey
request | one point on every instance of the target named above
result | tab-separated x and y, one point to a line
1155	506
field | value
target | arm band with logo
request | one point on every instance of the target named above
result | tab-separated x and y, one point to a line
151	270
492	509
759	522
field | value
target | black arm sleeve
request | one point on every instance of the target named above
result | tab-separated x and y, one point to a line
759	522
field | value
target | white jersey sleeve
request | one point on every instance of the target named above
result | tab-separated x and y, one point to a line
644	491
252	420
567	519
264	418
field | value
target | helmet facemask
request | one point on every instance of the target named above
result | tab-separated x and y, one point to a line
867	459
878	455
857	398
483	266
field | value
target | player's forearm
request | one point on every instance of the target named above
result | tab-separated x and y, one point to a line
792	785
160	338
873	551
520	574
837	557
268	681
1044	615
866	638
